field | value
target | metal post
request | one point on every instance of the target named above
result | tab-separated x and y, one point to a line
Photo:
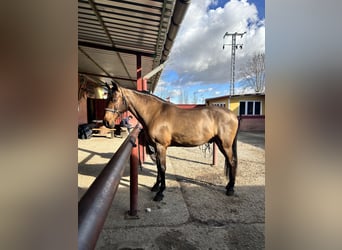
214	154
134	159
141	86
144	87
139	74
232	63
141	138
142	147
134	162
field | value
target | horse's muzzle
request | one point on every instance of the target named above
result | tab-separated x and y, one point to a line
107	124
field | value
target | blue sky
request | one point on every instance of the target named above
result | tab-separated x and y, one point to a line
198	67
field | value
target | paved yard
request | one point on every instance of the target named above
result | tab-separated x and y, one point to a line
195	212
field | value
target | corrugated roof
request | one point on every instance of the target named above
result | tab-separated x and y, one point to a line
112	33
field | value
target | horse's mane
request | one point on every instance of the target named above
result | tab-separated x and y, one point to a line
146	93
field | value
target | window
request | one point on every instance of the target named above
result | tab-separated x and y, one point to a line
219	104
242	108
257	110
250	108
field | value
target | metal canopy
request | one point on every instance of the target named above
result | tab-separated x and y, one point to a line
111	34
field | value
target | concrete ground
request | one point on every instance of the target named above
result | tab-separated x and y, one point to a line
195	212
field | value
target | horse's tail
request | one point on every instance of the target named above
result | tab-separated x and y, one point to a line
235	157
234	148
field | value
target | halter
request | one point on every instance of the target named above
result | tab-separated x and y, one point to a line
116	110
113	110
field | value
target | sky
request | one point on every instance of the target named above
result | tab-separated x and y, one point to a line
198	67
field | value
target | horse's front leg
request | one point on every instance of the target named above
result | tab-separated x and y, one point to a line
156	186
161	165
152	151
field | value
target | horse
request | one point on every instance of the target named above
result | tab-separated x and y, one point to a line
167	125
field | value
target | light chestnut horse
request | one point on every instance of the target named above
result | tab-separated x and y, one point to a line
167	125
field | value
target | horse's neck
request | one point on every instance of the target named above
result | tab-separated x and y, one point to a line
142	106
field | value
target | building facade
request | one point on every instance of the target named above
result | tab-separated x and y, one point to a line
250	109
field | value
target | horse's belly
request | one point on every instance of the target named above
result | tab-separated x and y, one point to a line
189	140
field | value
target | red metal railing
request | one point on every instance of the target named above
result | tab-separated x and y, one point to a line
96	202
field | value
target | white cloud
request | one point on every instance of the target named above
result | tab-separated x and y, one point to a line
175	92
197	55
204	90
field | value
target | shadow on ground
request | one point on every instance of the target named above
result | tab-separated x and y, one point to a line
253	138
211	220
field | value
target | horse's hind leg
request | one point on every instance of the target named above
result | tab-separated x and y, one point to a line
231	165
232	173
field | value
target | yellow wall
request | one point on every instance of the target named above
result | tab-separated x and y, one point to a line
235	101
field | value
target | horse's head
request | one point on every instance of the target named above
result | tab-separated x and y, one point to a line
115	106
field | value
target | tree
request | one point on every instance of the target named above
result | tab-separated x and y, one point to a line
254	72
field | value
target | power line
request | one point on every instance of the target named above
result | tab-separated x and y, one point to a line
235	46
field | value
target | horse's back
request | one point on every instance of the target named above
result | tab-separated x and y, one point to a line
221	115
199	115
176	126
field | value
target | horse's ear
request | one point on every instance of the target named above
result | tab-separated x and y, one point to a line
115	86
107	85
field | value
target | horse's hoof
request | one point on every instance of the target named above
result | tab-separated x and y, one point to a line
158	197
155	188
230	192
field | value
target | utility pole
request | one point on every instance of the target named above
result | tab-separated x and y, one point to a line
235	46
